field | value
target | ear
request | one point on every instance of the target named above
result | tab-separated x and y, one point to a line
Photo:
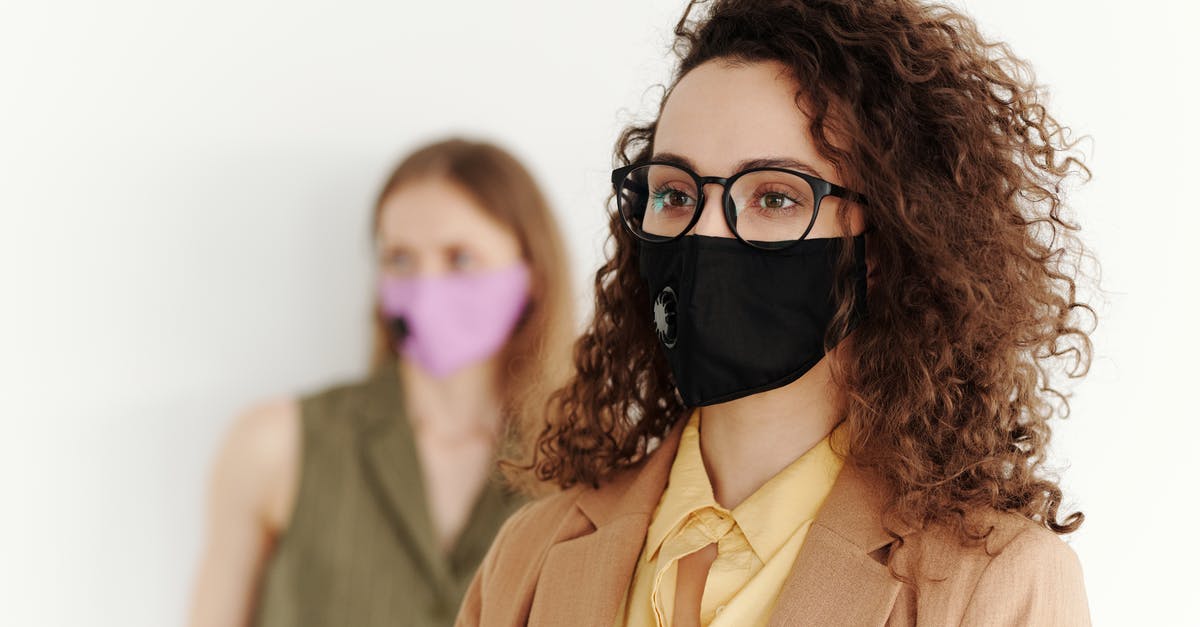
872	267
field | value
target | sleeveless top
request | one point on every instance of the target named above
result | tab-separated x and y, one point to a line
360	547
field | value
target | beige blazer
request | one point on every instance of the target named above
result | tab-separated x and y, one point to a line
568	558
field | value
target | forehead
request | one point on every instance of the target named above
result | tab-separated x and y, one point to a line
432	211
720	114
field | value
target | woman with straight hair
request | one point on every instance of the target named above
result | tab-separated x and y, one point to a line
372	503
827	344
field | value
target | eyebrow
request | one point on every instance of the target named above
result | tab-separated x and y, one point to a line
746	164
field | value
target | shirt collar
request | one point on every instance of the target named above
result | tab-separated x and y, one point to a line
769	516
688	488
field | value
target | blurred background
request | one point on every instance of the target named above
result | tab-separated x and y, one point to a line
185	194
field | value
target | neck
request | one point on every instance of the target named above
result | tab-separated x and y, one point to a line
460	406
747	441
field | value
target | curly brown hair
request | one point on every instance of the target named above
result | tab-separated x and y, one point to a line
949	384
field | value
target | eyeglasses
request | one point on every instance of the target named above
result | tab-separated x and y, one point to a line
769	207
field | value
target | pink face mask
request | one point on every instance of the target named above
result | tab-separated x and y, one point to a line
455	320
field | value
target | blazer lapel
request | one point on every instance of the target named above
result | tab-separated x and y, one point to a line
393	470
587	570
835	580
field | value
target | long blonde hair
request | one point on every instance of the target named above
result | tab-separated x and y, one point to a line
535	360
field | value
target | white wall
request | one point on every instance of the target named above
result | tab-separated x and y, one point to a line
184	193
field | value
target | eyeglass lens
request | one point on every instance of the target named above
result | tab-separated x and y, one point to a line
659	201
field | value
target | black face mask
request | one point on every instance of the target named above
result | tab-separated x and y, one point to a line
735	320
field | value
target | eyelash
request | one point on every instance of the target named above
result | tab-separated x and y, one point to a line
658	193
758	195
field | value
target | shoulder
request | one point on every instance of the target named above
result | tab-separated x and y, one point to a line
504	584
534	526
1022	573
263	436
570	513
1015	539
522	542
329	406
269	435
512	566
1019	537
257	462
268	417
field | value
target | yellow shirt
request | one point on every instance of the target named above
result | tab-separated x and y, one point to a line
757	542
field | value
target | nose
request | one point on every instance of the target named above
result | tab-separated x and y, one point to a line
712	214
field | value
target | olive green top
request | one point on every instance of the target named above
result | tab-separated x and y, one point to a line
360	549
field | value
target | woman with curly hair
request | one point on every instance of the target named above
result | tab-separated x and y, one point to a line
817	386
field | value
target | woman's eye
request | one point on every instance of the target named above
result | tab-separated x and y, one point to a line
398	262
461	260
775	200
669	198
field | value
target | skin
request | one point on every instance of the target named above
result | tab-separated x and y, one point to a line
456	420
718	116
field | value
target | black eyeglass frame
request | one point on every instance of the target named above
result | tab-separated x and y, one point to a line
820	188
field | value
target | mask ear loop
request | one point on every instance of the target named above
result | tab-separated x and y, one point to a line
399	328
